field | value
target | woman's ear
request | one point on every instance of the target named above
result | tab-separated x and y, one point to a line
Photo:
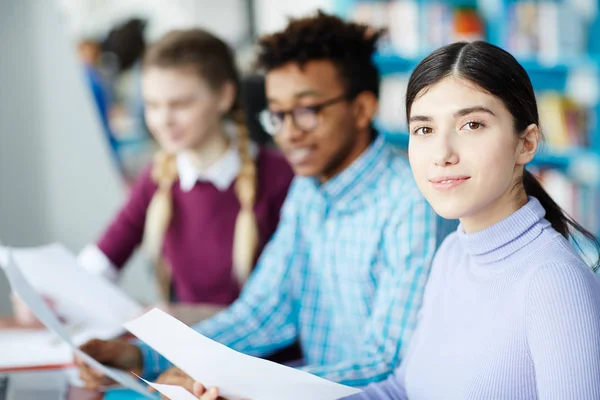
528	144
227	96
365	108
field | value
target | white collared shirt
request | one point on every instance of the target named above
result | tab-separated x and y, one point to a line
221	174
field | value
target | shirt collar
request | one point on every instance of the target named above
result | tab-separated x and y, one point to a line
345	185
221	174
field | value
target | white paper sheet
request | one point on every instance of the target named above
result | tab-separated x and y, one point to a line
41	347
171	391
40	309
236	375
32	348
53	271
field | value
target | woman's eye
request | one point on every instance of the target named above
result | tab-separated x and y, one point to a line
424	130
473	125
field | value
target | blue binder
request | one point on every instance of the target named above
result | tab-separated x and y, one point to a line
126	394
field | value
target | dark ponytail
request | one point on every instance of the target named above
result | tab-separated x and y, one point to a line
554	214
561	222
499	73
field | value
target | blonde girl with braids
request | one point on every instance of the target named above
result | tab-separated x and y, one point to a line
210	201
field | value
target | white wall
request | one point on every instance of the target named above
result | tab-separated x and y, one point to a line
56	178
273	15
19	200
226	18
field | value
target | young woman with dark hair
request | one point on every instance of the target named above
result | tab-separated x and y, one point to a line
511	311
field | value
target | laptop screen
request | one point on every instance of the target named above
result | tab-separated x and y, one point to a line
12	388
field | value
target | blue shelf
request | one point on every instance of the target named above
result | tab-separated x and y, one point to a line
553	75
132	143
392	63
399	139
126	394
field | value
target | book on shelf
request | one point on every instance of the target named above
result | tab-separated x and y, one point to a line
415	27
403	26
580	202
563	121
546	30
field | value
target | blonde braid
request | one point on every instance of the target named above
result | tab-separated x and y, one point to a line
245	239
158	216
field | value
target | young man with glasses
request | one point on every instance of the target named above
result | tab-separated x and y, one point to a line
345	271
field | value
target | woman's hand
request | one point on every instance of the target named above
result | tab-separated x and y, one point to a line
176	377
206	394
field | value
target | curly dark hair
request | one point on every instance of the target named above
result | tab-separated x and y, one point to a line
350	46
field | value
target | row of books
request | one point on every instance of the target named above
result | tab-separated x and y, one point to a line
415	27
580	202
564	123
547	30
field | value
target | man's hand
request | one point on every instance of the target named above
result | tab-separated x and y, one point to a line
117	353
177	377
23	314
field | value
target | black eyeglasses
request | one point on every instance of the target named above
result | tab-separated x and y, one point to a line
304	118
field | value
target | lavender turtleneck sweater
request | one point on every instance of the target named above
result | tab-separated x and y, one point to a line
511	312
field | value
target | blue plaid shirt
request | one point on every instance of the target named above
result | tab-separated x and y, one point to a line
344	273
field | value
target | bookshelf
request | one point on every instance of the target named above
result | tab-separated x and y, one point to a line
554	40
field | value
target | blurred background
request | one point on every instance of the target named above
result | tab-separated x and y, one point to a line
72	136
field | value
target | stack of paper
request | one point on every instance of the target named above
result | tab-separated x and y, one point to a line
80	297
40	309
20	348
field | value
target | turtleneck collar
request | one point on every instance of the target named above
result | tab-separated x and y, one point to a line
506	237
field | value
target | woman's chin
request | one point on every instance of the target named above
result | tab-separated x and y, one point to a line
173	147
448	211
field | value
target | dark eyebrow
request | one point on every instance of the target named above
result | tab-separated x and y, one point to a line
307	93
420	118
459	113
471	110
299	95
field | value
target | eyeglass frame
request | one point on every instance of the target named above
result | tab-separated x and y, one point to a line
316	109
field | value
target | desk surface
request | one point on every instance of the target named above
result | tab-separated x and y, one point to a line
47	379
51	375
54	379
189	314
41	377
